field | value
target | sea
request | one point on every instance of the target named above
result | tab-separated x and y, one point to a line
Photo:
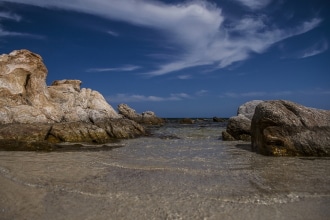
178	171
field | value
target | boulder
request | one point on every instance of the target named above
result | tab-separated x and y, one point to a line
146	118
80	104
284	128
24	97
186	121
216	119
239	127
43	136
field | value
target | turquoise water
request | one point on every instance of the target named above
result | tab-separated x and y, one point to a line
180	172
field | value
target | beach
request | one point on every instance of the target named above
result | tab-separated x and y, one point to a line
178	172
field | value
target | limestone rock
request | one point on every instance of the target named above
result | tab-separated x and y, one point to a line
34	115
25	98
283	128
80	104
239	127
23	90
147	118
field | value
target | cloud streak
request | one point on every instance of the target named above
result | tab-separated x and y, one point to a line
316	49
196	27
126	68
259	94
254	4
142	98
10	16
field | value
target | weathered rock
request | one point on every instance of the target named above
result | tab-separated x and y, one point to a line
239	127
80	104
283	128
186	121
32	114
25	98
41	136
216	119
248	108
23	90
147	118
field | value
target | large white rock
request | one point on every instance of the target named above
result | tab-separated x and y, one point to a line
25	97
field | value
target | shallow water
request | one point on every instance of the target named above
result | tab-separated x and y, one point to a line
181	172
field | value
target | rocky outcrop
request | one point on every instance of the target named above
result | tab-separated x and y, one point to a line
239	127
38	136
80	104
25	98
146	118
31	112
283	128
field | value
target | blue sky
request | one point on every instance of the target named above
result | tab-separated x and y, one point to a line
179	58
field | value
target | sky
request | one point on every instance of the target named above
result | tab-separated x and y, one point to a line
194	58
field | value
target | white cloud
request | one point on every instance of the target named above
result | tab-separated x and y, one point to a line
142	98
126	68
196	27
10	16
4	33
184	77
113	33
202	92
255	4
279	94
315	49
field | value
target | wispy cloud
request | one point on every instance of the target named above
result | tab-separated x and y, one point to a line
142	98
196	27
10	16
17	18
183	77
275	94
255	4
202	92
126	68
113	33
315	49
4	33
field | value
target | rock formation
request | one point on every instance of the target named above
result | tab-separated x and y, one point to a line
80	104
283	128
147	118
60	112
239	127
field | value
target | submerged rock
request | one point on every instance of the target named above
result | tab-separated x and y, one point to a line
239	127
186	121
284	128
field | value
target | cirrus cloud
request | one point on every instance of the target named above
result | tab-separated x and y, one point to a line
196	27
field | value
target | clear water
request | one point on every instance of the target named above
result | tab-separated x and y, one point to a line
181	172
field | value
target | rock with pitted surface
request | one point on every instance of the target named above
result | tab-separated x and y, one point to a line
32	113
284	128
239	127
146	118
24	96
80	104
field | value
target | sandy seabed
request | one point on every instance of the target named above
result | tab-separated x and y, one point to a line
193	176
